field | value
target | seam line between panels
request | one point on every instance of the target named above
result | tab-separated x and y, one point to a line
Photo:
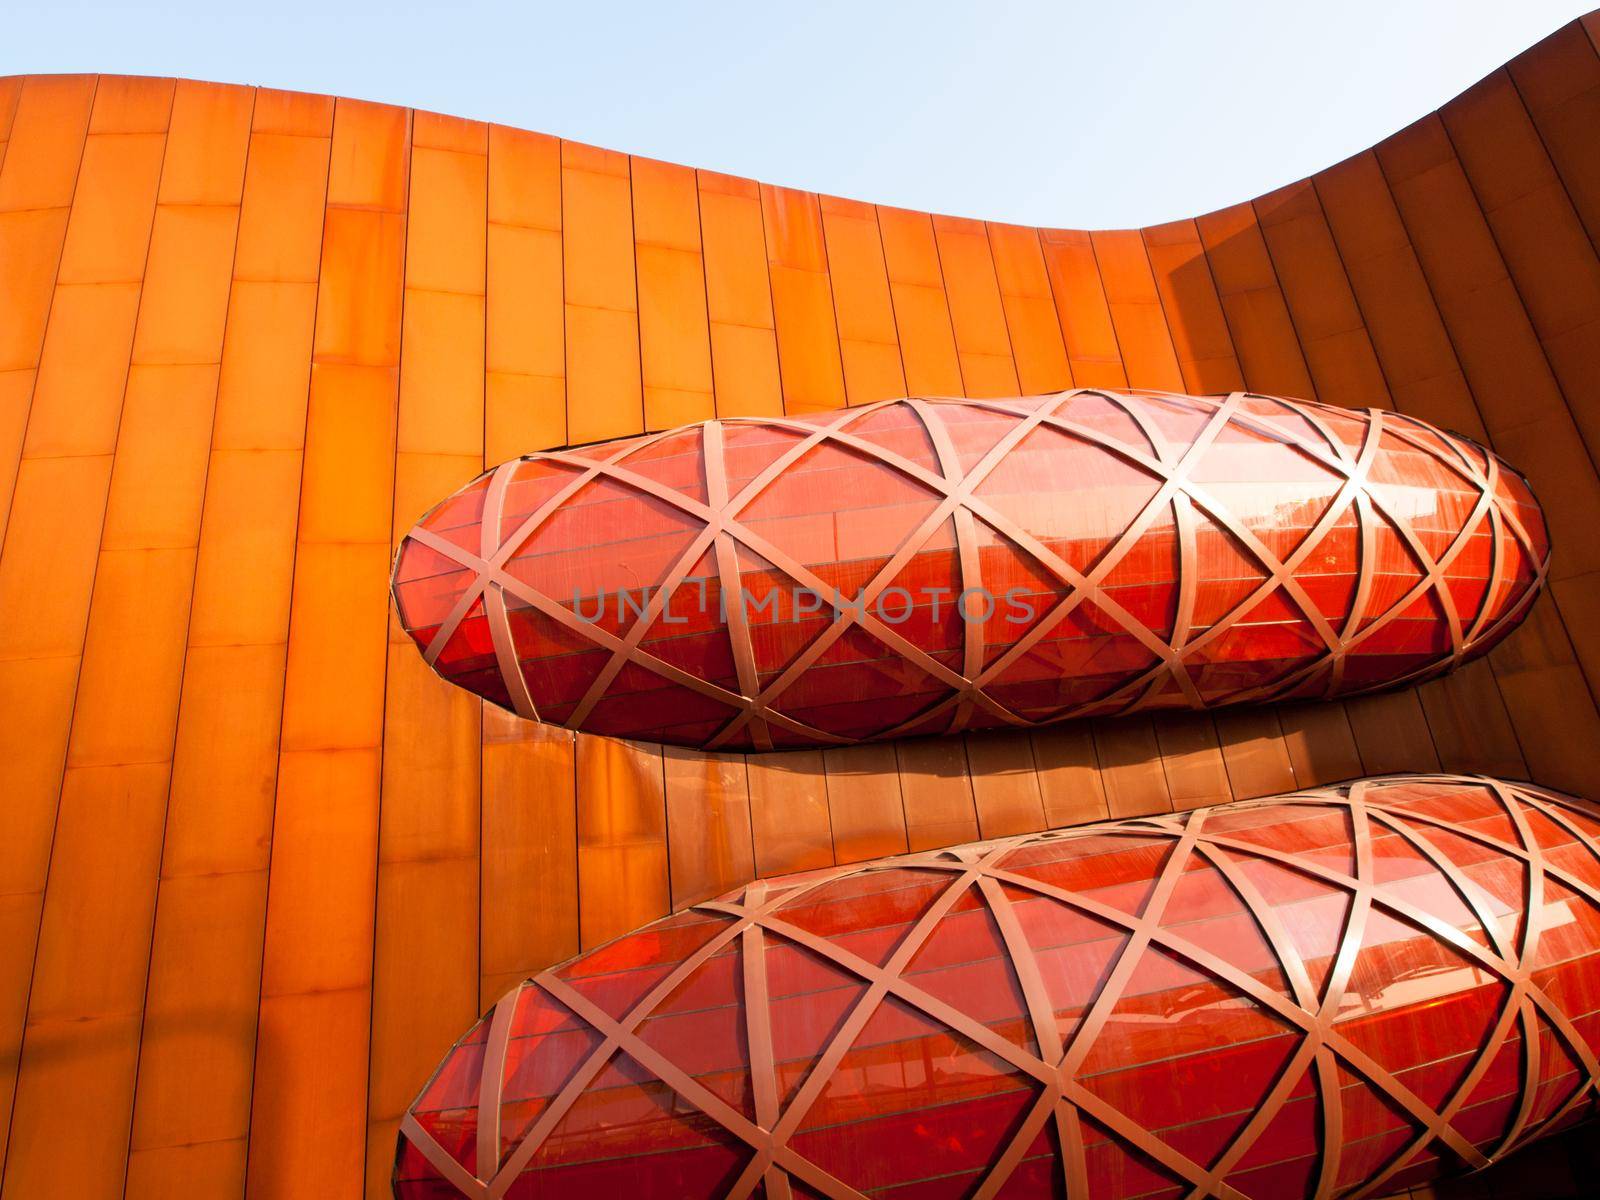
166	809
66	751
705	300
44	330
288	628
833	301
1592	686
1561	388
1561	178
383	731
638	308
483	463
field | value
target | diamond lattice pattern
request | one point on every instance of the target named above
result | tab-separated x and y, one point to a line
926	566
1343	992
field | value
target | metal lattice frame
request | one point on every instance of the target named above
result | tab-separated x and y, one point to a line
1166	463
754	917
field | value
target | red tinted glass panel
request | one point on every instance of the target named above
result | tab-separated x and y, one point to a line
1333	992
925	566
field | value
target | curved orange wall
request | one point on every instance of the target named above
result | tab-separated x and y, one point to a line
261	867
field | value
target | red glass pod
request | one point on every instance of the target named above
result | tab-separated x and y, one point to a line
1343	992
925	566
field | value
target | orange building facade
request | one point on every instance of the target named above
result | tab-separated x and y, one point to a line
261	867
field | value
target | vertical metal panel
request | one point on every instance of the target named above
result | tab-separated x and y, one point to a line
869	343
789	813
809	360
425	951
622	837
936	789
1136	312
525	400
1005	785
921	312
1081	307
1327	322
1258	319
1069	775
977	314
530	850
1031	323
48	568
744	347
1559	81
675	343
865	811
604	396
708	824
1192	308
194	1083
312	1045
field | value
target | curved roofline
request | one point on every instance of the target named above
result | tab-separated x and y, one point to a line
1590	20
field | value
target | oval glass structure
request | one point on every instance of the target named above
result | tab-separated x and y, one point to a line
1341	992
927	566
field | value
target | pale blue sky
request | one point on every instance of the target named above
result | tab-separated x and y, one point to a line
1085	114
